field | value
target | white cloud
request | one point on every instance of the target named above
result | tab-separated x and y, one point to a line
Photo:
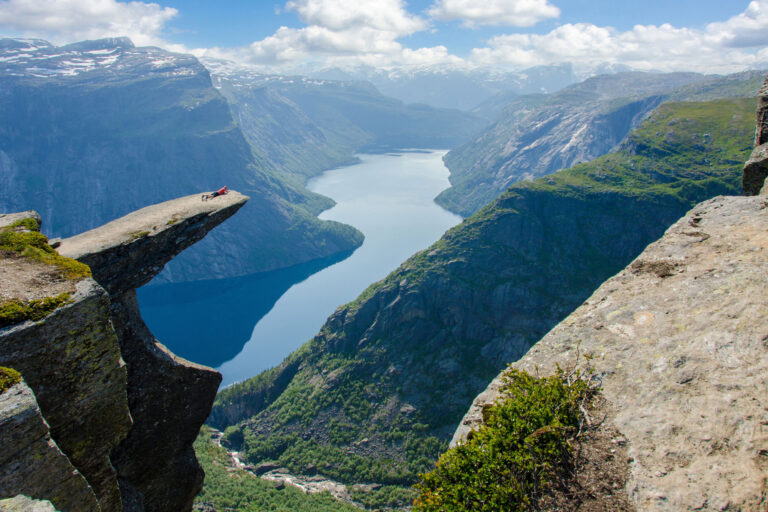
63	21
723	47
515	13
340	15
341	32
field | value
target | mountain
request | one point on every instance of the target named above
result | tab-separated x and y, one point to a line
93	130
454	87
304	125
537	135
376	395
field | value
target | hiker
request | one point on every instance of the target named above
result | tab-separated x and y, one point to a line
220	192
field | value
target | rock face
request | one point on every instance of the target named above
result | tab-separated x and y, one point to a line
680	342
169	397
122	408
756	169
71	359
31	462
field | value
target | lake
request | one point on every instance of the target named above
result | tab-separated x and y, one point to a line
243	326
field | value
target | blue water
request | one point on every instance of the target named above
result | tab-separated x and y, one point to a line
246	325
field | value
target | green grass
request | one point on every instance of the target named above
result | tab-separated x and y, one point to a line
8	378
239	490
522	450
33	246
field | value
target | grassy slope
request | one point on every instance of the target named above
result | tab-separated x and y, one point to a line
377	394
506	151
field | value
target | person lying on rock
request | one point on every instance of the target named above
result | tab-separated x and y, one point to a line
220	192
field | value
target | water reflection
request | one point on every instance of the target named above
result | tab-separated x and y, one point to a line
209	321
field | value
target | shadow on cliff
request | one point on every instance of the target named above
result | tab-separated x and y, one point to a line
209	322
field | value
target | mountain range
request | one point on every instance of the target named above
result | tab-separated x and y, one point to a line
535	135
455	87
93	130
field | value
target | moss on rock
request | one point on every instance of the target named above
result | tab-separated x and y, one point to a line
15	311
8	378
24	239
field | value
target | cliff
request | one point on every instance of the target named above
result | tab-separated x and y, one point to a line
106	388
678	339
678	343
94	130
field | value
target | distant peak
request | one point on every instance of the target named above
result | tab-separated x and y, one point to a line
100	44
23	44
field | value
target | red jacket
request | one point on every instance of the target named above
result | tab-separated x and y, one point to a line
222	190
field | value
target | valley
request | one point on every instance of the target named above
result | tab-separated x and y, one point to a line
261	319
400	239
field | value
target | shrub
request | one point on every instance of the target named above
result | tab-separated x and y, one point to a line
33	245
522	449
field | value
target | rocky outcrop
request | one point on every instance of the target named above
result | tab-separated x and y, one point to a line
31	462
169	398
71	359
678	339
756	169
128	252
122	409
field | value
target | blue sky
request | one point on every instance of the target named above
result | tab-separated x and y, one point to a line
200	23
695	35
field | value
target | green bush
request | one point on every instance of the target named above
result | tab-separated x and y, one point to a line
520	451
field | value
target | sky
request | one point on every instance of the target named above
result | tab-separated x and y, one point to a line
716	36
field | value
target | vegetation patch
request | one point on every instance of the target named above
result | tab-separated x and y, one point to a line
521	453
137	234
8	378
226	488
22	239
15	311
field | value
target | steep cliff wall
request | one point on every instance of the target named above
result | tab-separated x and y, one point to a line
678	339
679	344
31	461
122	408
756	168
